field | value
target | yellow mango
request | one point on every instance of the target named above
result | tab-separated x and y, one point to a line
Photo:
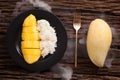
30	44
99	39
30	21
30	36
29	29
31	55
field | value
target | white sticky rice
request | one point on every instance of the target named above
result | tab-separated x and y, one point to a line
48	37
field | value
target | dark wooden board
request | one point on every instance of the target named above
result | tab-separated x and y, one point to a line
108	10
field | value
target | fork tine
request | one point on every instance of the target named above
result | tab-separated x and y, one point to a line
77	17
74	19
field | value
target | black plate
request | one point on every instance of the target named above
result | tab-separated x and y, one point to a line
14	41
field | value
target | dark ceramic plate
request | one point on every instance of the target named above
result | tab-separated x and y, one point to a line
14	41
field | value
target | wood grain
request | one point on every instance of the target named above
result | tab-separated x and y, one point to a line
109	10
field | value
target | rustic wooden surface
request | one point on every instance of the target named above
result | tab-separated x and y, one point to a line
108	10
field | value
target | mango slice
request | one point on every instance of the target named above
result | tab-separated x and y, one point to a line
30	36
99	39
31	55
29	29
30	21
30	44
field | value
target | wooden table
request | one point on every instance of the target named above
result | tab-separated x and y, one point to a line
108	10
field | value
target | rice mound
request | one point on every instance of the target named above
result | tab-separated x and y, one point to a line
48	37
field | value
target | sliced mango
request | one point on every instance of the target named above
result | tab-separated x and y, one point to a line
30	44
31	55
30	21
29	29
99	39
30	36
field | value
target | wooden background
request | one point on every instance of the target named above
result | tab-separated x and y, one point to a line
108	10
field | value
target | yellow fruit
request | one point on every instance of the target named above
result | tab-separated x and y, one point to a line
29	29
31	55
30	44
30	36
30	21
99	39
